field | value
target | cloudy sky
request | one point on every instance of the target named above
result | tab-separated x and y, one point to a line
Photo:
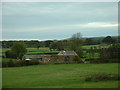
58	20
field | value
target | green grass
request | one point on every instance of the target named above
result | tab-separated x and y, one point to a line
40	49
58	76
88	55
31	51
89	46
42	52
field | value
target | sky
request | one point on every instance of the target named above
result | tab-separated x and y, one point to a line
58	20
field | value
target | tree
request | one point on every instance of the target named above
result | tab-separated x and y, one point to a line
19	48
59	45
89	41
75	44
47	43
108	40
10	54
114	51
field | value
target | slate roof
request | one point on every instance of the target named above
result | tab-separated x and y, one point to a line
67	53
32	56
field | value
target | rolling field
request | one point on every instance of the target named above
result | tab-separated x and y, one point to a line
42	50
58	76
89	46
31	51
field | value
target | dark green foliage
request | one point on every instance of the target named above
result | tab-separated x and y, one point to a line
102	60
19	48
10	54
47	43
77	59
90	41
92	60
18	63
4	64
75	44
114	51
58	45
102	77
104	53
108	40
11	63
7	44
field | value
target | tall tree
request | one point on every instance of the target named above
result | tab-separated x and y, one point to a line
89	41
19	48
75	44
108	40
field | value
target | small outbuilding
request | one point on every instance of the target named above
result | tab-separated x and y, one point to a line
30	57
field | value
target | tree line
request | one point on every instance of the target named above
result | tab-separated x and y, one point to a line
58	44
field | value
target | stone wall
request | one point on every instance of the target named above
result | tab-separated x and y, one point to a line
58	59
55	59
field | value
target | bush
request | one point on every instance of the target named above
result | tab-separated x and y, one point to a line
4	64
92	60
18	63
114	51
11	63
102	77
77	59
101	60
10	54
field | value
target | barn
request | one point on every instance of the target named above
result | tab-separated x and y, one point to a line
61	57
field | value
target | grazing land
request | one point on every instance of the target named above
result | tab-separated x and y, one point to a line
47	50
89	46
58	76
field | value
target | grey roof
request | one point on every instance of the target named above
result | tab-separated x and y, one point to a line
104	46
67	53
32	56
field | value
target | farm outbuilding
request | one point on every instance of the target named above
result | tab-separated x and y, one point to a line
61	57
30	57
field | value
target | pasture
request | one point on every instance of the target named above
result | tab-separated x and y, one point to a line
89	46
31	50
47	50
58	76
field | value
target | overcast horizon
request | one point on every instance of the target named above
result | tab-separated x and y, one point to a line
58	20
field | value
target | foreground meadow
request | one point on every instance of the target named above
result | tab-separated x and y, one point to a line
58	76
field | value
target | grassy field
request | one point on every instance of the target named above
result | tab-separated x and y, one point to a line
58	76
31	51
89	46
42	50
47	50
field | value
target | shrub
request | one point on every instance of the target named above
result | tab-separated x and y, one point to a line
4	64
77	59
19	63
10	54
102	77
11	63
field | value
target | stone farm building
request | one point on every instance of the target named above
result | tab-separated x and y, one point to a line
61	57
